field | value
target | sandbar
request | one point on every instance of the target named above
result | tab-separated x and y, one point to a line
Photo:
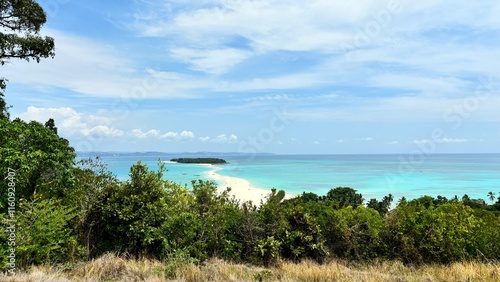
241	189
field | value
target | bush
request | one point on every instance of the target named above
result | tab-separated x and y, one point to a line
130	216
418	233
354	233
43	234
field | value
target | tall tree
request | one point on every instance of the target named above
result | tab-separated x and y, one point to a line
20	23
43	161
491	195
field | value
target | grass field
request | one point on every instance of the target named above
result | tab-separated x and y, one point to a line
113	268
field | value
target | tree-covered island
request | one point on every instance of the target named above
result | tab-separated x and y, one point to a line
199	161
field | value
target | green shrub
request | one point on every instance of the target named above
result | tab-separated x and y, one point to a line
354	233
43	235
423	233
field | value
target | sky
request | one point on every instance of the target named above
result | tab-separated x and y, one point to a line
286	77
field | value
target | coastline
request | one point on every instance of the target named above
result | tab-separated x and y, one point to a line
241	188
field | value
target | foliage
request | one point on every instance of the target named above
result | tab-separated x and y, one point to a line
43	161
354	233
344	197
221	217
24	19
43	235
419	233
381	206
268	250
131	215
20	22
91	179
303	237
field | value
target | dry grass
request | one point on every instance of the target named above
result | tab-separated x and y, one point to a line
113	268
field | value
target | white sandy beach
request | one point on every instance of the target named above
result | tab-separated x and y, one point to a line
240	188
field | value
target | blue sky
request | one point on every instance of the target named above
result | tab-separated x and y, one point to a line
317	76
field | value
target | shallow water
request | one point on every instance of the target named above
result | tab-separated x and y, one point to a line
372	175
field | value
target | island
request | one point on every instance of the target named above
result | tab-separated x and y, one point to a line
199	161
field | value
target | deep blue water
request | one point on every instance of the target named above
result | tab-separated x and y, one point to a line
372	175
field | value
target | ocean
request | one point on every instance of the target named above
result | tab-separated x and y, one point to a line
374	176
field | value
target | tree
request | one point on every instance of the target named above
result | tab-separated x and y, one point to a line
383	206
131	215
4	113
344	197
42	160
354	233
491	196
91	178
23	19
20	22
44	234
417	233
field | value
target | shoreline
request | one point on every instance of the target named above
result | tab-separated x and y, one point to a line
241	188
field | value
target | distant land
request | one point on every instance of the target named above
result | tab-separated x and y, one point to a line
199	161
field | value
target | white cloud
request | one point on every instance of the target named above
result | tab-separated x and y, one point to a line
422	141
140	134
223	138
102	130
453	140
204	139
72	123
441	140
267	25
176	136
170	136
92	68
276	97
215	61
233	138
186	135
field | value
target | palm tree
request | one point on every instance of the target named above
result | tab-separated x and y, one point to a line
491	195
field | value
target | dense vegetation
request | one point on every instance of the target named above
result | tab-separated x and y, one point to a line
199	161
68	212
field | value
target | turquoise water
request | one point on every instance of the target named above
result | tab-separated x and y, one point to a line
372	175
119	165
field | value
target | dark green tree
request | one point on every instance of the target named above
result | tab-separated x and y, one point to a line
91	179
50	124
491	196
221	220
382	206
344	197
20	22
43	161
302	236
131	215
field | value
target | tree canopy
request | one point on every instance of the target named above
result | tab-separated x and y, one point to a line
20	24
